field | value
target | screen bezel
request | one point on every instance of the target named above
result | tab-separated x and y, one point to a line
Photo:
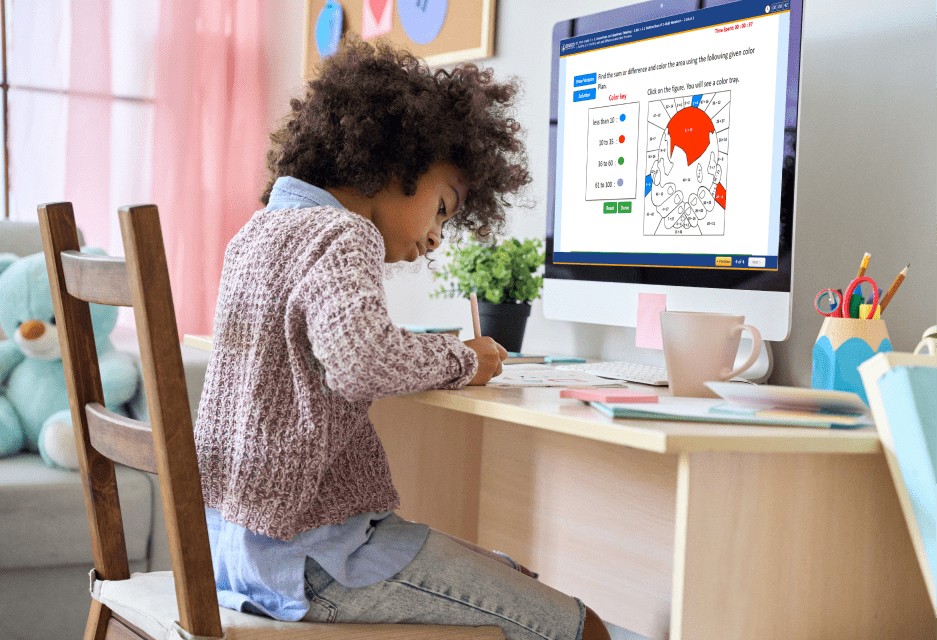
741	279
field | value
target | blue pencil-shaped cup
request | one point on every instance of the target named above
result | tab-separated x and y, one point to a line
844	344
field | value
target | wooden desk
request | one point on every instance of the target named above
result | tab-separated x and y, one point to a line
687	531
681	530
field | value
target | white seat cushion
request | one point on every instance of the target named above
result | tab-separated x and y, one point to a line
148	601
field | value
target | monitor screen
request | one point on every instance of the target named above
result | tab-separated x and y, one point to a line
673	159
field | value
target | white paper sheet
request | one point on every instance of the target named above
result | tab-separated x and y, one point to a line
540	375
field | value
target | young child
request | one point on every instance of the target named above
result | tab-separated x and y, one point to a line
372	163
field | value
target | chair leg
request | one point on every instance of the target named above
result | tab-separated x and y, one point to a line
98	617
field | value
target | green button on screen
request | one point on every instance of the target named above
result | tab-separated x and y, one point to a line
610	207
624	207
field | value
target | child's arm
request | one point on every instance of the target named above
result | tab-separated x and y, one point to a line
341	305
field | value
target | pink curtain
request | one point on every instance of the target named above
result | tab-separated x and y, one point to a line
210	141
88	138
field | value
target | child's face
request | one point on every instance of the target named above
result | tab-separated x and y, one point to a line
412	225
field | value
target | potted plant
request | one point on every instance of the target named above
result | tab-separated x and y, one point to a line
503	277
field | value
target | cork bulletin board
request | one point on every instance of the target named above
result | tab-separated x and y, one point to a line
466	33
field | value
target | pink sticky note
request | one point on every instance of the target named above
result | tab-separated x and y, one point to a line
608	395
376	18
648	332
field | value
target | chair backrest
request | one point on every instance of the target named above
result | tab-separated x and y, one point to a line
166	444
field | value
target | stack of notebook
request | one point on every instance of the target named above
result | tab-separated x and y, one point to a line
739	403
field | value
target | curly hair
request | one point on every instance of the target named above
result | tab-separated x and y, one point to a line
374	114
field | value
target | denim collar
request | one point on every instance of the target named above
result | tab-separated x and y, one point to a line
292	193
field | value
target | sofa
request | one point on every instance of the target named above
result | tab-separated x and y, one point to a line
45	547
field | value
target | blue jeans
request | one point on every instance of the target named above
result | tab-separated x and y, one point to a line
447	583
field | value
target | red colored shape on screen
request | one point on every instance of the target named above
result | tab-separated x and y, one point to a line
721	195
621	138
689	129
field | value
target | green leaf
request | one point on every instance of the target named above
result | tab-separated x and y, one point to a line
498	273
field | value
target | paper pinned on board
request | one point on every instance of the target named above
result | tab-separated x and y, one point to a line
376	18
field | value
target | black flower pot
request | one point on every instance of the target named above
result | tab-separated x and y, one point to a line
504	323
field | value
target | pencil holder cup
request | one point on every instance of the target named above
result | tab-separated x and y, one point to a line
844	344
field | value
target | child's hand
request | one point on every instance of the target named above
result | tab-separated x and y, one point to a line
490	355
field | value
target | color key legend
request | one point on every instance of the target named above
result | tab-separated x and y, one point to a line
612	152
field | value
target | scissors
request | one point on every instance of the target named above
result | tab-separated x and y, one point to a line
851	289
835	303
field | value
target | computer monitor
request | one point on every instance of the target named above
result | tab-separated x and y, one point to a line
674	129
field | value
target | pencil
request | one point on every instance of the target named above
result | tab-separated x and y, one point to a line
864	265
893	288
476	323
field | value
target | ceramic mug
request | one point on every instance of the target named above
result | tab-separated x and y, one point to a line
701	347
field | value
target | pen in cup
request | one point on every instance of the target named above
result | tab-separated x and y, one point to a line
476	323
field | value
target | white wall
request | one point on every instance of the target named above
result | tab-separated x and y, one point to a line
866	164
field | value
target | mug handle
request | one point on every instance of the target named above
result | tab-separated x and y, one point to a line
756	351
927	344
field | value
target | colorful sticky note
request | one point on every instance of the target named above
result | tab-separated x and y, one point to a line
376	18
608	395
648	333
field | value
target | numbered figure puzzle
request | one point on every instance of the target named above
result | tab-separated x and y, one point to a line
687	163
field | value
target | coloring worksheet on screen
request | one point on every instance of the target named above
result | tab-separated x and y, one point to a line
670	135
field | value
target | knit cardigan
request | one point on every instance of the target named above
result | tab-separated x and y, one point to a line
302	344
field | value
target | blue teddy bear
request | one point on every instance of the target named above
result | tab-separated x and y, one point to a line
34	408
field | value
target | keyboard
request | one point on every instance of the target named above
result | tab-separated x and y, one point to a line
630	371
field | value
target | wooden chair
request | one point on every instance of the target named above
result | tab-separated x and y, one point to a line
173	604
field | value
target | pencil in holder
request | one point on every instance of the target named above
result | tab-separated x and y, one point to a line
844	344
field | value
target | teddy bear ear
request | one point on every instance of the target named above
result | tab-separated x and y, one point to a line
6	259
